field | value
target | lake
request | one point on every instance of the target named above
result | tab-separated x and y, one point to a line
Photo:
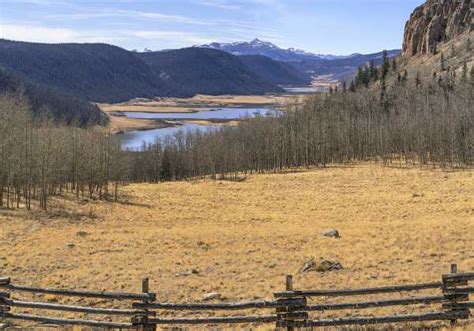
304	89
134	140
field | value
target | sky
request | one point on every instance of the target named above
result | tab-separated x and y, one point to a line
321	26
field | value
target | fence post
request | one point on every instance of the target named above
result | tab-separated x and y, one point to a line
146	289
289	287
449	292
141	320
292	311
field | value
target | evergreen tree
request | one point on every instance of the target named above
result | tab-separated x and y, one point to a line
352	86
385	65
372	70
359	80
394	65
330	89
344	87
442	62
366	76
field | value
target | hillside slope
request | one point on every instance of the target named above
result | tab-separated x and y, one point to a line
98	72
277	72
46	101
191	71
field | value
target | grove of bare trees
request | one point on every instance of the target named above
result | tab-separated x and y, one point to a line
39	158
420	123
413	121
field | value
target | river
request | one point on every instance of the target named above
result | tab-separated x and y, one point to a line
134	140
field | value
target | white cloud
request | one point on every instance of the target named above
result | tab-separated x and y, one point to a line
133	14
174	37
220	4
36	33
44	34
130	39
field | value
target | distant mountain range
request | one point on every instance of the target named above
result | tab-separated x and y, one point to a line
265	48
338	66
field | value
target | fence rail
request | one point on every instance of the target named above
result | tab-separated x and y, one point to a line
291	307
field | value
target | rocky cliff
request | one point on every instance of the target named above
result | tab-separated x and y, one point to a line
435	22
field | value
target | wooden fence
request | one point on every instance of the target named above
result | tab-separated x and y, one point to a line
289	309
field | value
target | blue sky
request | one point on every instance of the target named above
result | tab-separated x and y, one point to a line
320	26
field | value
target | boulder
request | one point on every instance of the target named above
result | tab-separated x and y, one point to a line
322	265
333	233
211	296
327	265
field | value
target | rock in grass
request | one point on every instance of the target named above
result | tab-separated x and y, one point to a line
211	296
70	245
308	265
322	265
327	265
333	233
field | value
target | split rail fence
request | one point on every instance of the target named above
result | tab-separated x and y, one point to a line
290	308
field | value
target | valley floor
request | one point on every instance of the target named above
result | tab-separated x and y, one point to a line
184	105
240	239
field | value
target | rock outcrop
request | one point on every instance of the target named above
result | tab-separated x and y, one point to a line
435	22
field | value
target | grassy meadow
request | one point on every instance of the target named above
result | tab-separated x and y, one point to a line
397	225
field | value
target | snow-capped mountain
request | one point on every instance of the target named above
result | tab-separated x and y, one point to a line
338	66
265	48
260	47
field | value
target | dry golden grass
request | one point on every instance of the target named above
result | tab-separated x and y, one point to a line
125	124
397	226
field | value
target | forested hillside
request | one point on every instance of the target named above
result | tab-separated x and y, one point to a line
49	102
277	72
97	72
191	71
105	73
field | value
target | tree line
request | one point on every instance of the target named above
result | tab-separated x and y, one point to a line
419	122
411	121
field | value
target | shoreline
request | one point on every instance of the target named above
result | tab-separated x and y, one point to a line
120	123
163	124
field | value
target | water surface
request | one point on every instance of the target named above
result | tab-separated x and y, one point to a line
134	140
217	114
